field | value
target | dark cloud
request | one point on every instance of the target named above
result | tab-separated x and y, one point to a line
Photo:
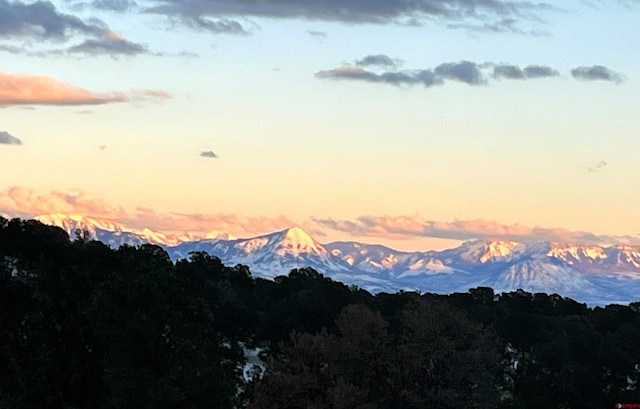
42	20
540	71
499	13
514	72
7	139
425	77
219	26
464	71
208	154
379	60
110	45
597	73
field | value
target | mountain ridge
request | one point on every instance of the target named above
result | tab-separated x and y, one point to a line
589	273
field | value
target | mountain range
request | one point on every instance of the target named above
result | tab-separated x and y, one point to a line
588	273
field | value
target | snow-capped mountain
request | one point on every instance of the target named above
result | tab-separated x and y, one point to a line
269	255
116	234
588	273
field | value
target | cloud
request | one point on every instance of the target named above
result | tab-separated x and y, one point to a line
23	89
596	167
379	60
114	5
316	33
467	72
149	95
7	139
219	26
24	202
485	12
411	227
208	154
425	77
111	43
597	73
463	71
27	203
514	72
41	20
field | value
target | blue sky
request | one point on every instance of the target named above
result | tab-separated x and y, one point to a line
371	121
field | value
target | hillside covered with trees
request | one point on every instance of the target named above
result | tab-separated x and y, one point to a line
84	326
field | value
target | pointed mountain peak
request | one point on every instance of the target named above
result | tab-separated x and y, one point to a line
295	241
297	235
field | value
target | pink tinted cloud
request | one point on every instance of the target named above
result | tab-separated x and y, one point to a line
26	203
24	89
411	227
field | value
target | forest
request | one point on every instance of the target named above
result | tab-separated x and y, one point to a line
85	326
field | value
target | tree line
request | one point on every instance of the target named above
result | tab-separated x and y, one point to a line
83	325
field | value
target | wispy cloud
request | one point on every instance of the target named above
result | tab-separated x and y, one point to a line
411	227
501	15
425	77
317	33
597	73
114	5
208	154
7	139
596	167
110	43
23	89
24	202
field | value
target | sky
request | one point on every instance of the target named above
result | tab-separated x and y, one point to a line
412	124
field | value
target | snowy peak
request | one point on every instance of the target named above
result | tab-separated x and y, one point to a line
116	234
572	254
295	241
498	249
70	223
481	251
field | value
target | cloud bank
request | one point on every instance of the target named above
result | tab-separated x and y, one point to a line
23	89
466	72
27	203
411	227
502	15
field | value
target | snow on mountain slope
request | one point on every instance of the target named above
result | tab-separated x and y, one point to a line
478	252
616	260
372	258
591	273
116	234
537	275
270	255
